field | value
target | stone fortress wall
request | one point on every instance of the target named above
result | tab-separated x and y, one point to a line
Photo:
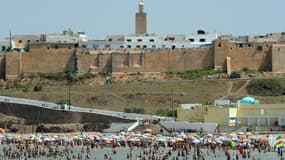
223	55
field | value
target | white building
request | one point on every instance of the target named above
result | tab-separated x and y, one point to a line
19	42
149	41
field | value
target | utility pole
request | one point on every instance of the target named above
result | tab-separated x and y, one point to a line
72	71
172	101
38	120
69	86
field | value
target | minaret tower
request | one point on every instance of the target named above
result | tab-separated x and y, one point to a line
141	20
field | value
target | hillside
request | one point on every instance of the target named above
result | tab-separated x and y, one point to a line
150	95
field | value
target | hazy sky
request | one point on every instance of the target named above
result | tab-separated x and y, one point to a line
99	18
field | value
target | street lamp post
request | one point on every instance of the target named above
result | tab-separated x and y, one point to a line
172	105
69	86
73	70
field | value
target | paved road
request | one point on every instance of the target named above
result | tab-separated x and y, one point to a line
53	106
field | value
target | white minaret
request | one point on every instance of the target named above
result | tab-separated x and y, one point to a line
141	7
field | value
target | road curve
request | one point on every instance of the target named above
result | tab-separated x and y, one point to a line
54	106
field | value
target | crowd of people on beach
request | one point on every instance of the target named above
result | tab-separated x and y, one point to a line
86	147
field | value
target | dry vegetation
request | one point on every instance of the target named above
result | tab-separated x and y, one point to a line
150	95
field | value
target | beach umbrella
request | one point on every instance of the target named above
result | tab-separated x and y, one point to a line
196	141
179	139
235	139
105	138
135	139
147	130
162	139
210	135
219	141
243	139
194	136
2	132
249	134
75	137
8	136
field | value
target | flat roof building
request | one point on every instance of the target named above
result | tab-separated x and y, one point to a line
153	41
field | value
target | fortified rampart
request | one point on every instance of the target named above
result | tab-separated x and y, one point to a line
46	61
223	55
278	58
255	56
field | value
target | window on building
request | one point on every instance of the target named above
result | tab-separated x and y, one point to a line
219	45
129	40
28	41
202	40
171	38
56	46
166	39
201	32
191	39
249	45
173	47
240	45
20	41
163	46
139	40
153	46
259	48
138	46
151	40
121	46
110	40
107	46
129	46
3	48
278	49
144	46
37	40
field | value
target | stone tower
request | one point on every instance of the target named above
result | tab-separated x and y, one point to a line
141	20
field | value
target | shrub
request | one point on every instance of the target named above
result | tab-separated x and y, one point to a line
128	110
198	73
166	112
169	73
86	127
266	87
26	89
139	110
38	88
87	75
14	130
235	74
64	102
54	76
104	74
22	75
